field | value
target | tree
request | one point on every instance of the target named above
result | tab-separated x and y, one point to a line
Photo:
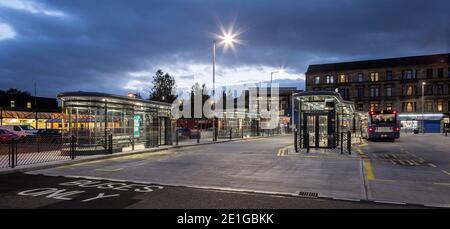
163	84
16	92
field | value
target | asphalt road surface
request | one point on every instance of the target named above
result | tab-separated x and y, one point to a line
413	169
253	173
38	191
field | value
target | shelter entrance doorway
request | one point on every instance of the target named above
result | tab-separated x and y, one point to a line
318	129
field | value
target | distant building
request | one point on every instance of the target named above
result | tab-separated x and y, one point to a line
392	84
23	109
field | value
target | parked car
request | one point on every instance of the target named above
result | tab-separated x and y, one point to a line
6	136
49	132
188	133
20	130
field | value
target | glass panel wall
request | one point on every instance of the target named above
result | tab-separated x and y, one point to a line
131	124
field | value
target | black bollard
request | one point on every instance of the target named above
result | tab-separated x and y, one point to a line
307	144
296	141
349	142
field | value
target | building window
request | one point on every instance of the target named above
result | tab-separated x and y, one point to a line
440	89
374	76
389	75
317	89
29	105
360	92
343	78
374	106
361	77
429	106
409	74
440	106
374	91
317	80
428	89
429	73
408	107
409	90
388	106
13	103
388	91
440	72
330	79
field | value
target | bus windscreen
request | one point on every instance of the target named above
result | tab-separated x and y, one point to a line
383	118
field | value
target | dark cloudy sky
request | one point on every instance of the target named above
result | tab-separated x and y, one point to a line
116	46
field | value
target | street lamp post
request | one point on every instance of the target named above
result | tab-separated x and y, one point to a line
227	39
214	89
423	107
271	75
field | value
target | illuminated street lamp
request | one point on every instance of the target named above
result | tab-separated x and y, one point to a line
227	39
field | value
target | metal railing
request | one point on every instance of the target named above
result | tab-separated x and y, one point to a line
43	149
33	150
342	146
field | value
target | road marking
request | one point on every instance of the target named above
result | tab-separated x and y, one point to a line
361	153
281	150
445	172
109	170
368	169
445	184
364	143
432	165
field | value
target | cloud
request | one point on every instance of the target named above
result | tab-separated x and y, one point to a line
116	46
6	31
30	7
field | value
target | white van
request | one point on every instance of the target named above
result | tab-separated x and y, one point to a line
20	130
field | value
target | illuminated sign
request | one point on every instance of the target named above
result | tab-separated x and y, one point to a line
137	125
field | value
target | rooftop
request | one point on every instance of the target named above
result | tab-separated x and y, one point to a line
379	63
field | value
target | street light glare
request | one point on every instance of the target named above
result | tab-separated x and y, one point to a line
228	37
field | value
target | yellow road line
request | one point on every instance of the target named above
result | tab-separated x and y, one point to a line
364	143
368	169
281	150
361	153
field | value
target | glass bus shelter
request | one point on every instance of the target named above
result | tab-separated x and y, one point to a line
321	117
93	118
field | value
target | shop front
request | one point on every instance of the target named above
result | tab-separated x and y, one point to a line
423	123
94	118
